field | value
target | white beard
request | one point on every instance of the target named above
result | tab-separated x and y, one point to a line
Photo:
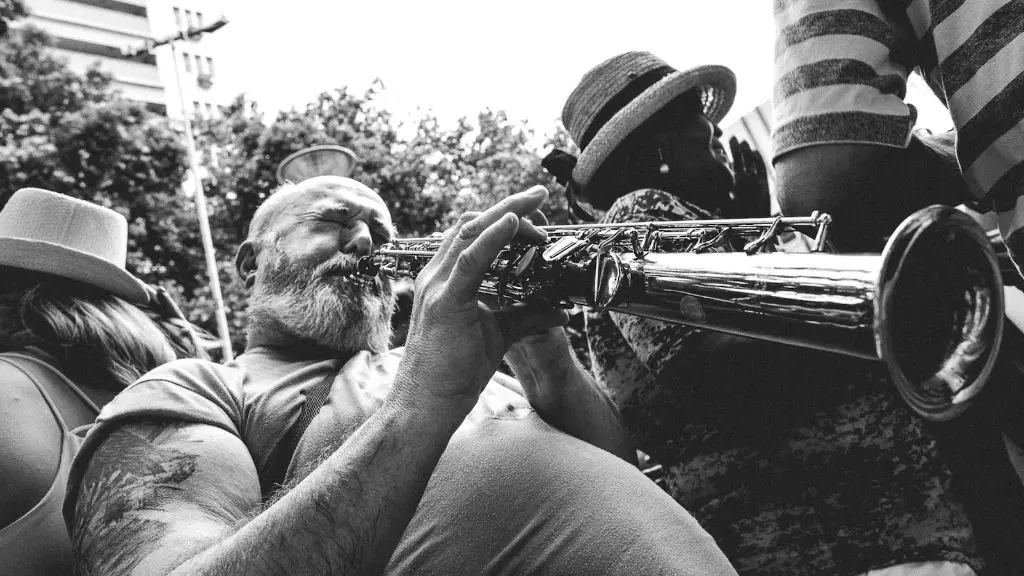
346	313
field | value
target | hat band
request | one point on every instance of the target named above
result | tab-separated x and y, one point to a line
620	100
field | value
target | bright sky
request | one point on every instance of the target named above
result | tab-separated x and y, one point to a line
457	57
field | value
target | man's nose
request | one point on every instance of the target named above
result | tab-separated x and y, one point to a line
360	241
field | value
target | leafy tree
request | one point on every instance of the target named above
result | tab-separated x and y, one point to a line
10	10
497	159
426	178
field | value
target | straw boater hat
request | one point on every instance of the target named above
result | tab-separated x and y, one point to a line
618	95
70	238
326	160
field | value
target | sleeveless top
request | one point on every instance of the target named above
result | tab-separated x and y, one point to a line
37	544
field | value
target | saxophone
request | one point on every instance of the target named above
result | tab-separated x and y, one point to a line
930	306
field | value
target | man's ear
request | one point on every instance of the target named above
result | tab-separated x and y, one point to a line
245	264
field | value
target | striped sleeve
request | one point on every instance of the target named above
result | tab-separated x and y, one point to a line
980	48
836	77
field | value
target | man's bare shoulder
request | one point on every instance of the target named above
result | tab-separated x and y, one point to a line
156	493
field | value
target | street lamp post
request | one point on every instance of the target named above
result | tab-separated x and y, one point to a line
193	159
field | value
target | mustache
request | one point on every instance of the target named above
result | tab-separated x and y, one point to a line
346	267
339	265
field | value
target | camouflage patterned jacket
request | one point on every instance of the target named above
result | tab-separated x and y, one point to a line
797	462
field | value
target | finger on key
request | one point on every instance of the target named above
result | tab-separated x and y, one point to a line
473	263
518	204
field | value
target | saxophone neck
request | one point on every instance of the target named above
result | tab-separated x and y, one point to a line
369	265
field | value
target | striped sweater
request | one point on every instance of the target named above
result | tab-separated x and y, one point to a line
841	69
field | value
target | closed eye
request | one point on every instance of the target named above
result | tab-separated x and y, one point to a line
381	231
339	215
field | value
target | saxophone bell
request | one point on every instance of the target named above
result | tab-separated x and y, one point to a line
939	311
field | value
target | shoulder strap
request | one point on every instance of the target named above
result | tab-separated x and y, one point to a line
70	405
282	458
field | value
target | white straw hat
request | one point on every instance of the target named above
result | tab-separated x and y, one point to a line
615	97
70	238
326	160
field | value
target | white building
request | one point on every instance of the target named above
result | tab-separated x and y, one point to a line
90	31
196	60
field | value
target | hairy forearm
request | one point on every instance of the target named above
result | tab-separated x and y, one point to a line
566	396
347	516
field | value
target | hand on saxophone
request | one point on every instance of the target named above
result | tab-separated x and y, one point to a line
546	353
455	342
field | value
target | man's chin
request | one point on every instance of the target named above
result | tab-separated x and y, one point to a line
337	320
365	324
356	339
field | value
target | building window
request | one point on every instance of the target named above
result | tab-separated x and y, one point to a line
209	110
199	19
177	17
198	109
188	18
160	109
199	64
209	66
188	61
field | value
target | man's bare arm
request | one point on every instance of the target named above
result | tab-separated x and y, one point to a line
868	189
565	395
173	498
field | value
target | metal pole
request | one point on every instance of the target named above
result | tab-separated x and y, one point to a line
204	222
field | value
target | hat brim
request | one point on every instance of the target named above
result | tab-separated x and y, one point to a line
718	80
65	262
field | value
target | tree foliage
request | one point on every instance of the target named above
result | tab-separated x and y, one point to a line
70	133
10	10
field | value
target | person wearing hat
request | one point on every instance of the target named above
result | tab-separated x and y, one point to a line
797	462
640	124
649	145
74	331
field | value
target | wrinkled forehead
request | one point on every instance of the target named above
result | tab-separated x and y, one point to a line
335	193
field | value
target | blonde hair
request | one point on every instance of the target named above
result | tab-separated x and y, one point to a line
99	339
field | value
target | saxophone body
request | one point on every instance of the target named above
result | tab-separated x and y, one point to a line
930	306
